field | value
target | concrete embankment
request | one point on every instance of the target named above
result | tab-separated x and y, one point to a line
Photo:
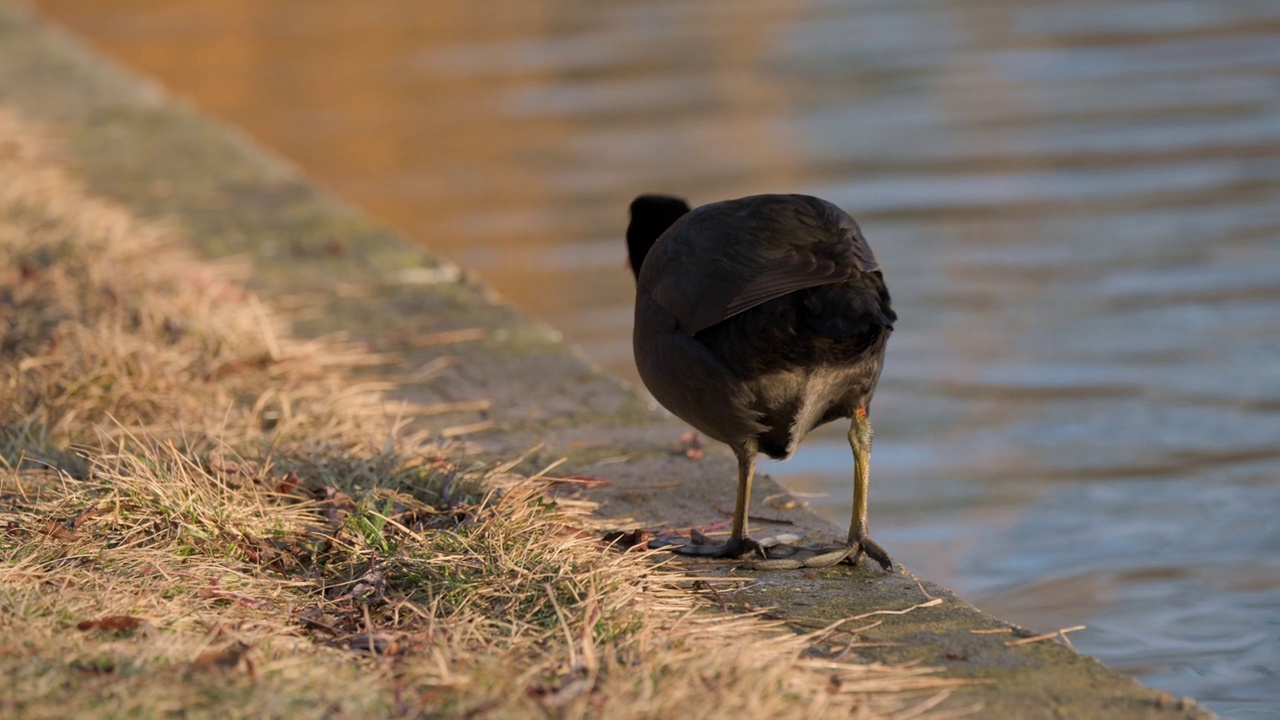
503	382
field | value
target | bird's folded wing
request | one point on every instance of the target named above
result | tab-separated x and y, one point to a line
805	271
711	273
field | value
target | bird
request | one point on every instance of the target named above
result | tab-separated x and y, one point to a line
757	320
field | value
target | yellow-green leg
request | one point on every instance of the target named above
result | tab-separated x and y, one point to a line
859	542
739	542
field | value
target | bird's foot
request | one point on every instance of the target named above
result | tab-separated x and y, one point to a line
700	545
866	546
789	557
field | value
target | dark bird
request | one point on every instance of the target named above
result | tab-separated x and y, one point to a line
757	320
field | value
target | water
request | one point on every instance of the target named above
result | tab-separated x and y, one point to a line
1077	205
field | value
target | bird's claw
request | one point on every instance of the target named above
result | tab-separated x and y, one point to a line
782	556
870	548
787	557
700	545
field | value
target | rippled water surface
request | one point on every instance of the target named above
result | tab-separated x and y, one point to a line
1077	205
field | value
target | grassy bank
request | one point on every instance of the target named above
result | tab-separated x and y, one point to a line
202	514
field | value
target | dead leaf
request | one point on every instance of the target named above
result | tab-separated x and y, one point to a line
315	618
690	446
94	666
75	524
111	623
57	531
623	540
417	518
214	593
226	658
337	505
289	484
375	643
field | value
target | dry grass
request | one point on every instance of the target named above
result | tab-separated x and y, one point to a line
201	515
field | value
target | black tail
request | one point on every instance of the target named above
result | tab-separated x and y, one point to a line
651	215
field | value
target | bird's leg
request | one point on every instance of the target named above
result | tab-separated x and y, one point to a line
739	543
859	543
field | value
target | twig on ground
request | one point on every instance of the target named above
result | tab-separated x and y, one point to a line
1061	633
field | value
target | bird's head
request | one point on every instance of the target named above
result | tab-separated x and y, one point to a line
651	215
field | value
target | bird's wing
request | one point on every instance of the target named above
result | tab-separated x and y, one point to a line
801	271
823	246
726	258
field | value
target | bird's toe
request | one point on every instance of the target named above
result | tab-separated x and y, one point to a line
700	545
788	557
870	548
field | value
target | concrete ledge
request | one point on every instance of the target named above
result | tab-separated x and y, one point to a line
129	142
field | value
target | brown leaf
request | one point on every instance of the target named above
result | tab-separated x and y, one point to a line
368	588
75	524
236	367
289	484
212	592
623	540
570	692
225	659
419	517
337	505
440	463
94	666
690	446
57	531
315	618
375	643
111	623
